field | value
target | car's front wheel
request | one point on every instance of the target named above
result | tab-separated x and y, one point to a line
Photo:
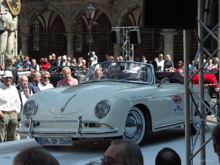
135	125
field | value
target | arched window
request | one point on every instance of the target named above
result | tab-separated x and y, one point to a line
35	31
158	41
78	37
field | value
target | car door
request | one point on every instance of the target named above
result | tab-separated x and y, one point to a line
170	108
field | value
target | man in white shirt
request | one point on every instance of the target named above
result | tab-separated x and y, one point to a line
45	81
10	106
23	91
160	63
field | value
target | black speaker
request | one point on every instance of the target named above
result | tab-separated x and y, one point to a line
211	12
2	29
115	36
172	14
135	36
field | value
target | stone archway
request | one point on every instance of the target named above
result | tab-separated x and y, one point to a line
126	11
26	24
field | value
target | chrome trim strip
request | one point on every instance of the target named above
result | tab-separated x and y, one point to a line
70	133
67	121
63	107
143	98
170	124
78	132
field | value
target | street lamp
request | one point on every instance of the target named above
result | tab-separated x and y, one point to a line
90	11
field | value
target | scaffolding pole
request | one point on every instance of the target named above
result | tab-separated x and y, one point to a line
190	140
201	83
126	47
186	95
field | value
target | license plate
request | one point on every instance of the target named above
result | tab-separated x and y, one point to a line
55	141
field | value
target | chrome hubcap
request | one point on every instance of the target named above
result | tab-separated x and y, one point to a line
133	127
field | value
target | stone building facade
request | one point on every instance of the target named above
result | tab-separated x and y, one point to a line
47	26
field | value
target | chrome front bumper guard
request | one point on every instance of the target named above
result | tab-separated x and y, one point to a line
78	132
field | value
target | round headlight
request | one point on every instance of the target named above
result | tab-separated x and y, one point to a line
30	108
102	108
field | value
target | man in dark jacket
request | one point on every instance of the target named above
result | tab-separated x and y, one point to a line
33	84
54	61
14	71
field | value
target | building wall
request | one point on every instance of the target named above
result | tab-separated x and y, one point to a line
58	18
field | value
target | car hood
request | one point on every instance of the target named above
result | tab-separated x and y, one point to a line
68	100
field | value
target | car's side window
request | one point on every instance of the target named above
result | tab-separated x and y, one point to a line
149	74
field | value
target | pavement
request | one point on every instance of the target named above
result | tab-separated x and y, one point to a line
85	151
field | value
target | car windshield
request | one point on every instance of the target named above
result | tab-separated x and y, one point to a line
121	71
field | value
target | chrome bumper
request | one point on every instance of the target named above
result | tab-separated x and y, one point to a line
79	132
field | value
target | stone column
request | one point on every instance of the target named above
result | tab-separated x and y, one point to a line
24	41
116	51
69	38
168	42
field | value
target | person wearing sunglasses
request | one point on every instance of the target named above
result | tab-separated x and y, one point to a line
123	152
45	81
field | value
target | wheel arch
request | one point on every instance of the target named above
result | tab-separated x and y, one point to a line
148	121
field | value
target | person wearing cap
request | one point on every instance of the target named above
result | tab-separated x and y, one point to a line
65	62
14	71
10	106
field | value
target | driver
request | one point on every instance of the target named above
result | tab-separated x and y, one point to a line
97	75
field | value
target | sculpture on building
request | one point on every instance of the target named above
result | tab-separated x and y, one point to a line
9	11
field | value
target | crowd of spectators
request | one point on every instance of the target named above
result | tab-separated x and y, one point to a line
163	63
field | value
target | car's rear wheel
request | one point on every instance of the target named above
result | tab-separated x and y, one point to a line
135	125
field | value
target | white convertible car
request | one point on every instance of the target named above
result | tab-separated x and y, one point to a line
114	100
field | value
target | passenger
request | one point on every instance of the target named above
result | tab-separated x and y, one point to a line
35	156
68	79
97	75
216	140
167	156
124	152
